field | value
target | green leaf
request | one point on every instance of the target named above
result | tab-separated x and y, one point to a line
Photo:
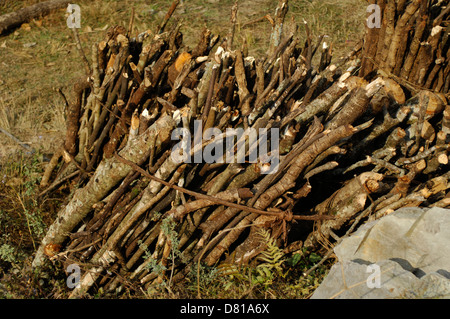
295	259
314	258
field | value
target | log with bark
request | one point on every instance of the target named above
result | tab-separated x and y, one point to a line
15	19
354	143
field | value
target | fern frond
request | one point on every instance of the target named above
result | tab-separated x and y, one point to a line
272	256
226	269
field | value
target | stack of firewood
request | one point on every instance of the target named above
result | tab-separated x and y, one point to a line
411	45
353	144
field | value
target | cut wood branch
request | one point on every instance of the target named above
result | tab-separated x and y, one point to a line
12	20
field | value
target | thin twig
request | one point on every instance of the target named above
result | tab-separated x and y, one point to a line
169	13
80	50
59	182
77	249
15	139
26	217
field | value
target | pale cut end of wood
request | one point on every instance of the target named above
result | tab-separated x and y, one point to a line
66	157
436	102
133	66
102	45
147	82
201	59
182	59
420	165
394	90
436	30
443	159
353	82
135	120
428	132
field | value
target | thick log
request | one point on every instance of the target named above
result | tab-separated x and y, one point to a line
13	20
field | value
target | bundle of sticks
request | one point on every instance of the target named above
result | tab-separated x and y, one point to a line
342	148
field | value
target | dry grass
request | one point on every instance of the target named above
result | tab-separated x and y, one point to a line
41	56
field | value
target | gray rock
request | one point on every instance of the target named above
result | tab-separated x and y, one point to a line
403	255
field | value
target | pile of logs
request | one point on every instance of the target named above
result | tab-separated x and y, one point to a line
357	140
411	45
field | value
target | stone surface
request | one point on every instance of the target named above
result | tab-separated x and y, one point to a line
403	255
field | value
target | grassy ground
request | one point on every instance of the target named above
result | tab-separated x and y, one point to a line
40	57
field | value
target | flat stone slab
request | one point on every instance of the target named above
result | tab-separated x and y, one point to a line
405	254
